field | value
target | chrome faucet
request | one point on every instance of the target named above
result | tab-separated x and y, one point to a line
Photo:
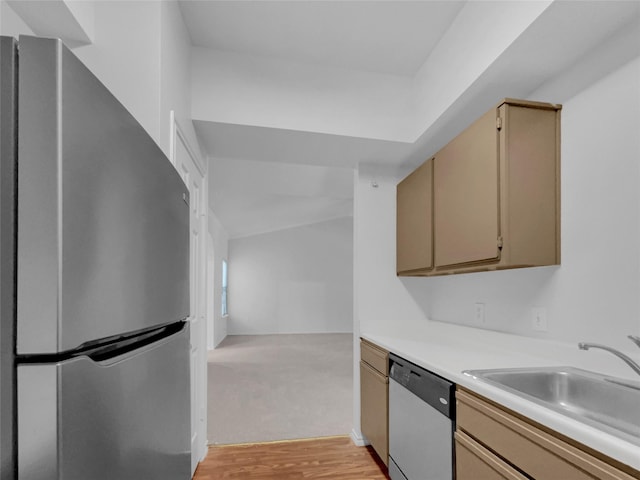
629	361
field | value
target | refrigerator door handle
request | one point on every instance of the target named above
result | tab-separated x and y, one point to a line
110	350
117	352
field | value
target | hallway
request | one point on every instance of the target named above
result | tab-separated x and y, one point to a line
280	387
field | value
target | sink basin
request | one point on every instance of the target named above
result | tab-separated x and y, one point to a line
606	403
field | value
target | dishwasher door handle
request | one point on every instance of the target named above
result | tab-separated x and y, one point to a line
428	386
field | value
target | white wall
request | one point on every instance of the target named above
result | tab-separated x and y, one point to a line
592	296
382	300
296	96
480	33
10	22
125	56
298	280
141	52
217	327
175	77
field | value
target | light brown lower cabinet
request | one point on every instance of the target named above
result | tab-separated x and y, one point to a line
473	461
374	398
495	443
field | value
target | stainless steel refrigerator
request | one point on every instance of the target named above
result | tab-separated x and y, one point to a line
94	280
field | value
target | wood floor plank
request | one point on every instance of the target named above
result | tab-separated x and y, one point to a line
325	458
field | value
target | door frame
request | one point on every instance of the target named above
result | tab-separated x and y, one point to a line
199	404
212	300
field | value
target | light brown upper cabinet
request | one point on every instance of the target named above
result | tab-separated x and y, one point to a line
414	226
495	196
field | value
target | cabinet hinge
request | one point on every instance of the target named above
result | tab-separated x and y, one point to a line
499	123
500	243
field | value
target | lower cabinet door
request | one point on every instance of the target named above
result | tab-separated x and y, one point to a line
374	409
474	462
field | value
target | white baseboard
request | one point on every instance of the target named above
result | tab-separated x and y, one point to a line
204	450
358	439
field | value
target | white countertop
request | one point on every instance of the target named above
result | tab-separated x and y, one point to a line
448	349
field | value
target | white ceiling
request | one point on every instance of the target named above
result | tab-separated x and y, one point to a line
275	145
254	169
392	37
264	179
252	197
290	96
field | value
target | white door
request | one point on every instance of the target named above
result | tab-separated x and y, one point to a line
194	177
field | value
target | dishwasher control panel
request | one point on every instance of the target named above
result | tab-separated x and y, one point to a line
431	388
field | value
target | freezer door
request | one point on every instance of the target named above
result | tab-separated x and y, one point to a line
103	230
127	418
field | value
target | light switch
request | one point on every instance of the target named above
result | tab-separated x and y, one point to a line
480	319
539	319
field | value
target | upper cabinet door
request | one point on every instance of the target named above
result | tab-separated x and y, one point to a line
495	200
467	196
414	221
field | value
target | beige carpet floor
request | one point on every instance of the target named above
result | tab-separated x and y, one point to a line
280	387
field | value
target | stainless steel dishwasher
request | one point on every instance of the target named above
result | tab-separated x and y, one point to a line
421	423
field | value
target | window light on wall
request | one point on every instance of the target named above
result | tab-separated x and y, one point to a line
225	312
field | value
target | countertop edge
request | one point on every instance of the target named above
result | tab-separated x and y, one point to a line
599	440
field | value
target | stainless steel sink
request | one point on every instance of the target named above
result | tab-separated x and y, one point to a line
606	403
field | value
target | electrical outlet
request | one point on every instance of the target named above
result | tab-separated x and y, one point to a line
539	319
480	313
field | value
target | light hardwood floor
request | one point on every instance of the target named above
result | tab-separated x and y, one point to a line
328	458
